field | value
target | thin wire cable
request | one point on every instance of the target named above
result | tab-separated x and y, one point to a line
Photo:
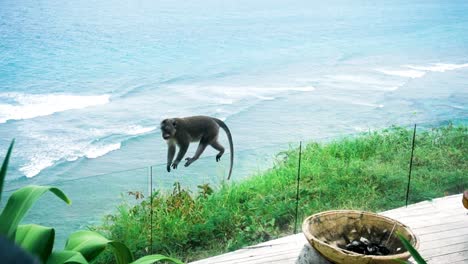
421	123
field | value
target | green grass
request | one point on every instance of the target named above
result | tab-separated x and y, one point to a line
367	172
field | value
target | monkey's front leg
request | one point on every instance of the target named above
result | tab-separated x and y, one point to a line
180	155
200	149
170	156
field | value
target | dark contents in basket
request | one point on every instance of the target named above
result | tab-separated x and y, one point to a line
364	246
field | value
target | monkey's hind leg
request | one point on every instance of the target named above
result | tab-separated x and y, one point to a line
219	148
200	149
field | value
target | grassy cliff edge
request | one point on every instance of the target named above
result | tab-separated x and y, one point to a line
367	172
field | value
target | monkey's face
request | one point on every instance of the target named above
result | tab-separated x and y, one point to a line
168	128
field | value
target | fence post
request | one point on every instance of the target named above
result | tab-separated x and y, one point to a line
297	187
151	209
410	165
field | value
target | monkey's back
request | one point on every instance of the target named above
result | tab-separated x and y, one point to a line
200	126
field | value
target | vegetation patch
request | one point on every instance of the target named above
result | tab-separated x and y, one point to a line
366	172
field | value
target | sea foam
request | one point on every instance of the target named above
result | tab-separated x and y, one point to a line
438	67
404	73
134	130
360	82
71	149
21	106
418	71
229	95
36	165
354	102
97	151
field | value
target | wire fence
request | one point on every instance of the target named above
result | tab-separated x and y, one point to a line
95	196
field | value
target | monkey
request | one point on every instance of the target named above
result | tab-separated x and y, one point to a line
182	131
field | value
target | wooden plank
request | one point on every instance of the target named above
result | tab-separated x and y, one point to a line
443	242
462	261
437	210
441	226
449	202
431	219
444	250
277	256
449	258
297	238
427	238
260	257
252	255
441	229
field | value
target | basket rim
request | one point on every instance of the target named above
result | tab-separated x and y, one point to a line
306	231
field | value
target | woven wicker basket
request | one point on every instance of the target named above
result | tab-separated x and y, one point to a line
325	232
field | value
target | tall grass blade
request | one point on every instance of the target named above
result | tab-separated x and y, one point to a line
4	168
37	240
19	204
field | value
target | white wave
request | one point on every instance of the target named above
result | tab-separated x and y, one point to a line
404	73
393	88
265	93
229	99
458	107
72	158
134	130
438	67
266	98
229	95
26	106
97	151
461	107
70	147
360	82
360	128
127	130
42	151
360	79
354	102
418	71
36	165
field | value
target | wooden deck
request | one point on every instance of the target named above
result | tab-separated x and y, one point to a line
441	226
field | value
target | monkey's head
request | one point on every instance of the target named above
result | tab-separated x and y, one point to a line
168	128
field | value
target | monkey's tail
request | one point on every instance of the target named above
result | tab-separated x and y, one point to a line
231	146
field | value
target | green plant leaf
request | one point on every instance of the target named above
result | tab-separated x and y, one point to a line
122	253
37	240
66	256
153	258
4	168
91	244
19	204
414	253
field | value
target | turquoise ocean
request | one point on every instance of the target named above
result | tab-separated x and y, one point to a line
84	84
